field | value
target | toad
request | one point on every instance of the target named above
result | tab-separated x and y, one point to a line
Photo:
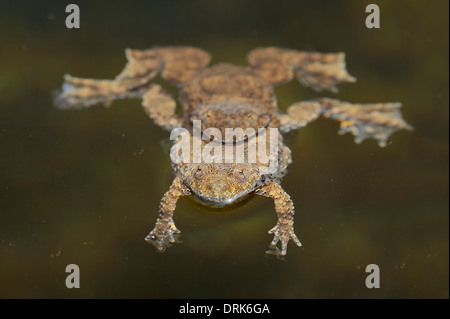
225	96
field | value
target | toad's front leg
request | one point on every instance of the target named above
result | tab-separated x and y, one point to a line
163	233
284	230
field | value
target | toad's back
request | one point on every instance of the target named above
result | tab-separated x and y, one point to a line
227	95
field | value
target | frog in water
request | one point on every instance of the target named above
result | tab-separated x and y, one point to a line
224	96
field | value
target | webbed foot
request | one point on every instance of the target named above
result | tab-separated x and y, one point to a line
283	233
163	235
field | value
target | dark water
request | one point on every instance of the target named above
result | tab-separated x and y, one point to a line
84	186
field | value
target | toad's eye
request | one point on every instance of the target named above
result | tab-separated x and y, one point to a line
239	175
199	172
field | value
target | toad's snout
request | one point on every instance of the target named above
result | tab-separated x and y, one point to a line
218	187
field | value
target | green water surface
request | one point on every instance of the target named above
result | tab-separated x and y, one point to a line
83	186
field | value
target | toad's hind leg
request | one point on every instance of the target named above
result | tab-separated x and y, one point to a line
376	120
320	71
176	64
159	105
284	229
298	115
83	92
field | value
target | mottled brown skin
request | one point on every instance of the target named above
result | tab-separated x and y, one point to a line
226	95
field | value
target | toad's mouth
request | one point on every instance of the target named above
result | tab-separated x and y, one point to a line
219	201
